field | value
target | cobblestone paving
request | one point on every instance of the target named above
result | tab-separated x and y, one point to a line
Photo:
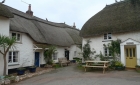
71	76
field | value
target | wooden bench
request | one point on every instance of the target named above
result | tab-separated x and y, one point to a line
63	61
100	64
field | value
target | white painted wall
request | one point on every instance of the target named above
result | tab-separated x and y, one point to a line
98	41
74	48
4	30
26	53
42	61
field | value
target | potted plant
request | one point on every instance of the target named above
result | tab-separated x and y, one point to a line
138	68
21	70
119	66
32	69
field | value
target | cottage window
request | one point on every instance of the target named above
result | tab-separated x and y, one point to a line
13	57
107	36
74	53
17	36
107	52
55	56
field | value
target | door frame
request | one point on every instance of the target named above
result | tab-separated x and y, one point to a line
129	42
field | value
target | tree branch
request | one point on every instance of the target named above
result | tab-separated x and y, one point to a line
1	52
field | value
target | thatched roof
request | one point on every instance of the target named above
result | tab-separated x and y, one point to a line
116	18
5	12
43	31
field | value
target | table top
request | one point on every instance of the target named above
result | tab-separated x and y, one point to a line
98	61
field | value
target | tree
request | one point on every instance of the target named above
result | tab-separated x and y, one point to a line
6	43
48	54
87	51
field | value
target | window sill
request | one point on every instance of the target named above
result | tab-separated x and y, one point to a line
107	40
13	64
18	42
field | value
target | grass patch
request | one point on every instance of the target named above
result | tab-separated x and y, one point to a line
57	66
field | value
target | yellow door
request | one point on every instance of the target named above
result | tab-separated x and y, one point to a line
131	59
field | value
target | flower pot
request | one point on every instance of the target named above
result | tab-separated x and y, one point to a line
119	68
20	72
32	69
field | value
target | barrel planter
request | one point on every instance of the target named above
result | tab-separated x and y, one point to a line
20	71
32	69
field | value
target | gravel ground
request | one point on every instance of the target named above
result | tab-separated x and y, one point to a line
72	76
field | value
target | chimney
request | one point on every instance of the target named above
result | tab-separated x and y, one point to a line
74	25
29	11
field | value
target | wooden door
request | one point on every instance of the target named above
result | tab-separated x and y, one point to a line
131	58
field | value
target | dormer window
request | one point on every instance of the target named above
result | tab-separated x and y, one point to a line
17	36
107	36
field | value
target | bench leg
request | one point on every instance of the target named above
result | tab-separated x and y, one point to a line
103	70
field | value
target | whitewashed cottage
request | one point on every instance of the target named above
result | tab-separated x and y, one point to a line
120	20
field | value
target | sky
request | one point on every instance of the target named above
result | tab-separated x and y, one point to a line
60	11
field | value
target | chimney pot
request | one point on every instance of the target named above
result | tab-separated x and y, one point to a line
74	25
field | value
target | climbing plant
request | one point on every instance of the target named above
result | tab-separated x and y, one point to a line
48	54
87	51
114	48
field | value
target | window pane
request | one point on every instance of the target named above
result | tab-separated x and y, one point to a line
109	52
130	52
10	53
109	36
127	52
105	36
105	51
13	34
134	52
13	57
18	37
55	56
10	59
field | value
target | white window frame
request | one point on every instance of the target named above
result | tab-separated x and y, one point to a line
107	36
55	56
107	52
16	35
12	60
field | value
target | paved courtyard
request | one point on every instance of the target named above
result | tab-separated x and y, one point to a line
72	76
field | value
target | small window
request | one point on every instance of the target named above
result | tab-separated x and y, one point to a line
55	56
13	57
107	36
107	52
17	36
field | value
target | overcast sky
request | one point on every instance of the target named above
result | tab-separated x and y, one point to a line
68	11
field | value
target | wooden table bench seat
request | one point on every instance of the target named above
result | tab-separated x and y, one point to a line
96	64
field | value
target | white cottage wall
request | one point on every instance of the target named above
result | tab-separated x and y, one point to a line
26	53
4	30
42	61
74	52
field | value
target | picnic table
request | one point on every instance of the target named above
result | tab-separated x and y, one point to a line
96	64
